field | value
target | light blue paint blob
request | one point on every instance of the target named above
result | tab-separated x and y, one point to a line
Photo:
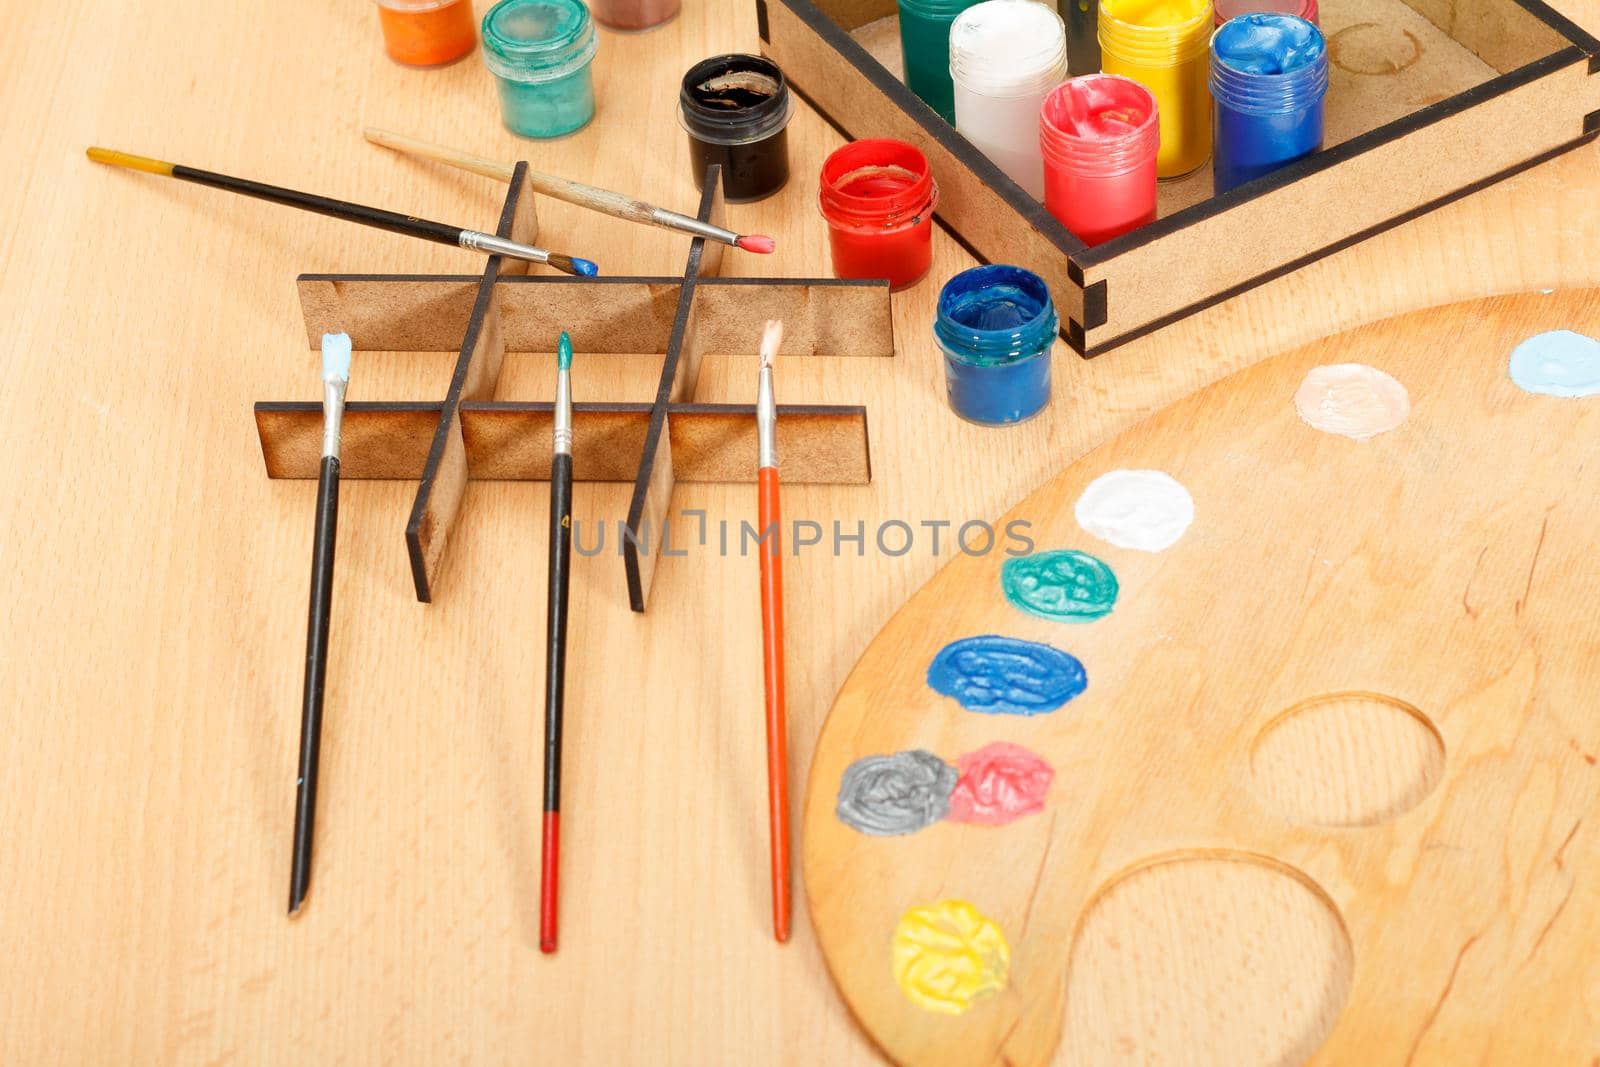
1001	675
1558	363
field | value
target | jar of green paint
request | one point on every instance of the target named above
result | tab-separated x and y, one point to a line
925	49
540	52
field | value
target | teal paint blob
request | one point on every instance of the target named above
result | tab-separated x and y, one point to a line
540	53
1558	363
1001	675
1063	585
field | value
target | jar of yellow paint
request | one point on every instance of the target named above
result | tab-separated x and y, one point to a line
1164	46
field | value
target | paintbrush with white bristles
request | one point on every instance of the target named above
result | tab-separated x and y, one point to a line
771	556
335	377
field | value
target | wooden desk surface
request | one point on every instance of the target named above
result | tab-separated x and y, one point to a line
152	641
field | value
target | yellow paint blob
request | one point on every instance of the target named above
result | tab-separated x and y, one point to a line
1164	45
949	955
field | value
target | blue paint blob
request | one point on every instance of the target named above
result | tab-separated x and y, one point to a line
1558	363
586	268
1001	675
1269	73
995	325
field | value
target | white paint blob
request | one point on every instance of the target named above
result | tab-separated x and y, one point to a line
1558	363
1144	510
1352	400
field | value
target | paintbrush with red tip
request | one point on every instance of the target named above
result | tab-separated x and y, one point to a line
592	197
772	632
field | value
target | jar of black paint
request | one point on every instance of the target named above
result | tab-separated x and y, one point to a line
736	109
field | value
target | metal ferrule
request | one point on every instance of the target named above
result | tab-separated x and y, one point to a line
563	424
766	422
692	225
500	246
332	416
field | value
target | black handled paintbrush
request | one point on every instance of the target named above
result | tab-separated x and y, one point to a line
392	221
555	662
335	376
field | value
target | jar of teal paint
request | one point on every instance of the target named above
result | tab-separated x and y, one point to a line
540	52
996	325
925	50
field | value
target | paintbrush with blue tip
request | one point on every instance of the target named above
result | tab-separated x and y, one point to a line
335	377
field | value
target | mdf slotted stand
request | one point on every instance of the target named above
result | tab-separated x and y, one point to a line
653	443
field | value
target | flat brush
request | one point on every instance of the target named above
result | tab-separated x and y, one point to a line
592	197
392	221
335	376
555	661
771	519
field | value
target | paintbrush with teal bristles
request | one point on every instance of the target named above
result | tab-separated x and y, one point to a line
555	662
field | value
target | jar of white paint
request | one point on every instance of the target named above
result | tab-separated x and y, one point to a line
1005	57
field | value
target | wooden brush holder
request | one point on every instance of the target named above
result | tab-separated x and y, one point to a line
653	443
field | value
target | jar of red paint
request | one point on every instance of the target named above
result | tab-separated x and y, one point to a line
878	197
1099	135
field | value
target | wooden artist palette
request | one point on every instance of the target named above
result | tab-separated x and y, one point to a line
1329	791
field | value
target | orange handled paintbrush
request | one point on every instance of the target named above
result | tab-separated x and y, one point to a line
772	632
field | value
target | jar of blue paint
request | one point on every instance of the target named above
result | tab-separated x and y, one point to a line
540	52
1269	73
996	326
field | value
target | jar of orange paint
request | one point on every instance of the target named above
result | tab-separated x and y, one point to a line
427	33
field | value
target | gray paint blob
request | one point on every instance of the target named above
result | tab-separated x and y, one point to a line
900	794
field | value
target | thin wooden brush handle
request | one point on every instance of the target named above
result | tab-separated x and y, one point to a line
595	199
555	675
777	716
454	157
305	805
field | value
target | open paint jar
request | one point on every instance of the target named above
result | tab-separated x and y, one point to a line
427	33
1164	48
633	15
1005	57
735	109
1269	74
996	326
925	51
1232	9
540	52
1099	135
878	197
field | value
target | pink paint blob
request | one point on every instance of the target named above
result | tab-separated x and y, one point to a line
998	784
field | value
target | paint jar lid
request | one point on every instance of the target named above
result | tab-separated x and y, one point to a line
1008	48
1232	9
414	6
537	40
734	99
1267	64
935	9
1099	124
996	314
1155	32
877	184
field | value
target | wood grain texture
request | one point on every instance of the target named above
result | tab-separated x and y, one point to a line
1330	789
152	643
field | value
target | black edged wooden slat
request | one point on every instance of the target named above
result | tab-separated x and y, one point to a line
444	477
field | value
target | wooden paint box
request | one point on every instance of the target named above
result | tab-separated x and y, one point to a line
1430	100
